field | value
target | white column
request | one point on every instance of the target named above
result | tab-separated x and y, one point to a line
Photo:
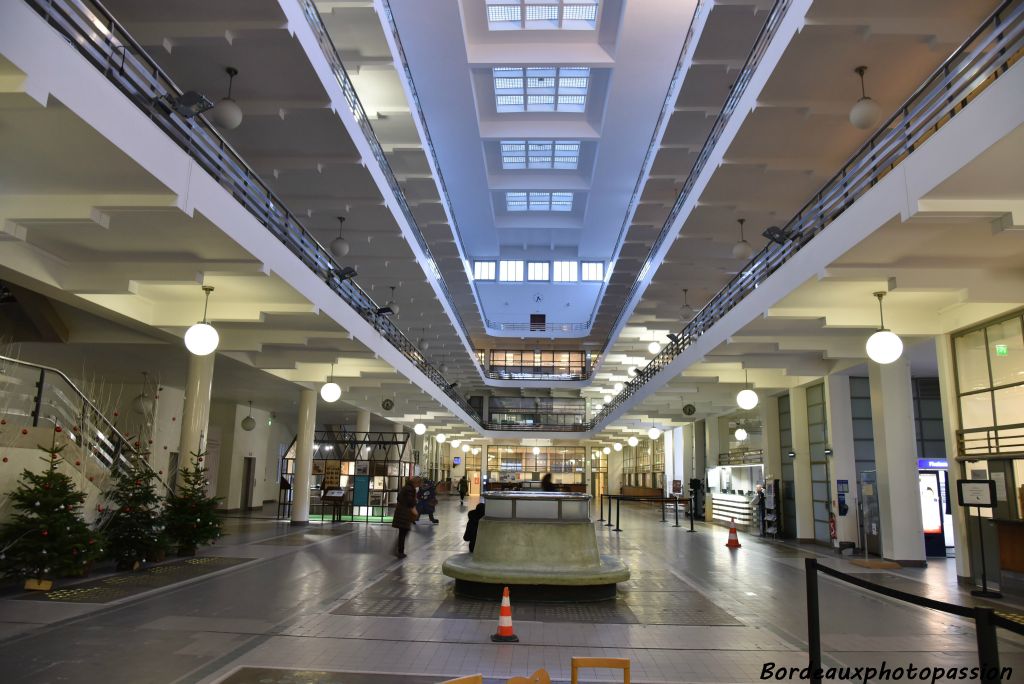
303	457
950	424
362	420
715	441
700	463
899	505
802	464
195	418
588	465
768	410
677	455
843	462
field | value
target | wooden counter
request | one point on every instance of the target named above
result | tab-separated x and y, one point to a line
1011	544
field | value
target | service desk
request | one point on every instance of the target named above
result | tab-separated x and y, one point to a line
731	507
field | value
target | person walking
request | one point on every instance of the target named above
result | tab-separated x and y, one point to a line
546	485
405	514
427	499
463	490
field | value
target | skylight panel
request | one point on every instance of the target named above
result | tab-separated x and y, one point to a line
561	201
566	271
483	270
540	154
513	155
541	89
515	201
510	271
541	15
538	270
592	271
538	201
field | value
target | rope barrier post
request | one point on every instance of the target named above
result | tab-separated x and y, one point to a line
600	508
609	523
618	509
988	647
661	502
675	509
813	621
690	509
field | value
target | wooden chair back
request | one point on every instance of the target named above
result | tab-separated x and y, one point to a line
602	663
468	679
541	676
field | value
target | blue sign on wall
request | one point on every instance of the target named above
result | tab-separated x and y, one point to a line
932	464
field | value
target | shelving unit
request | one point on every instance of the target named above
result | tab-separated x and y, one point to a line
772	509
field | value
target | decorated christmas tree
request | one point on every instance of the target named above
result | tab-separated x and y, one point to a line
135	533
190	515
47	536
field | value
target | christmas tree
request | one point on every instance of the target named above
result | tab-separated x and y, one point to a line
47	536
190	515
135	533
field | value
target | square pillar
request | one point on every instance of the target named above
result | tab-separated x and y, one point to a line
801	464
768	409
303	456
950	424
892	418
843	462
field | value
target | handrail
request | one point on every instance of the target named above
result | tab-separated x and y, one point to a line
98	37
950	88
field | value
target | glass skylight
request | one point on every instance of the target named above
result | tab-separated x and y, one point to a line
538	201
519	15
483	270
538	270
541	89
566	271
540	154
510	271
592	271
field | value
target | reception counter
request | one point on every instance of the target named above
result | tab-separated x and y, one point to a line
731	507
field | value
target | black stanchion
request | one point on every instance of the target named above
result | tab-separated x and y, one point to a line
813	621
600	508
661	502
690	509
988	647
618	509
675	509
609	523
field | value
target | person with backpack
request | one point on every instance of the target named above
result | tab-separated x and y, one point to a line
463	490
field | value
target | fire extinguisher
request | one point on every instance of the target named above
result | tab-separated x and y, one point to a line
832	529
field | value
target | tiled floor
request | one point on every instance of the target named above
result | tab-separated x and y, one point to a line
329	604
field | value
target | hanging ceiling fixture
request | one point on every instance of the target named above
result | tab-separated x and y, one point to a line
654	433
741	434
249	423
391	302
607	399
865	112
144	403
606	451
632	441
617	387
444	364
420	429
441	437
536	450
456	443
746	398
226	113
654	348
422	343
687	312
330	391
617	446
465	447
742	249
202	338
884	346
339	245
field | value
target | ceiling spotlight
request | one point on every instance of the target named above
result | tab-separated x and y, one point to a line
249	423
884	346
456	443
420	429
227	114
741	434
865	112
617	387
632	441
536	450
339	245
654	433
746	398
441	437
202	338
654	348
606	451
742	249
330	391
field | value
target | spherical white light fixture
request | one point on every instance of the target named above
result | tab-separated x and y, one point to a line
536	450
226	113
423	344
339	245
606	451
632	441
741	434
742	249
607	399
865	112
631	372
420	429
476	450
202	338
617	446
465	447
654	348
687	311
441	437
884	346
746	398
654	433
330	392
456	443
249	423
617	387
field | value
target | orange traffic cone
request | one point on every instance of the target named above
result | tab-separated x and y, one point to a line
505	632
734	540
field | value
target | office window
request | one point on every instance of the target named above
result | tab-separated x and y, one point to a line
540	15
483	270
510	271
566	271
541	89
517	155
592	270
538	270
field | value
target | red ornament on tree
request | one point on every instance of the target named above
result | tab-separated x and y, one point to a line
78	463
58	429
45	533
24	431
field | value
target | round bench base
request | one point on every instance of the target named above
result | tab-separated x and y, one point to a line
537	593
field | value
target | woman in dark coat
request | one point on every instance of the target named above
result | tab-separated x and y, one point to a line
405	514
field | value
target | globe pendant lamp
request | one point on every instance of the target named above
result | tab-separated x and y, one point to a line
746	398
339	245
456	443
742	249
441	438
606	451
420	429
465	447
249	423
654	348
884	346
632	441
741	434
617	446
687	313
865	112
330	391
654	433
202	338
227	114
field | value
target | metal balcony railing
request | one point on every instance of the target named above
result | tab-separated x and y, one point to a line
992	49
91	30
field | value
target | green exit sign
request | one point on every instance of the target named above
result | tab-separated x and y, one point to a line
1002	350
